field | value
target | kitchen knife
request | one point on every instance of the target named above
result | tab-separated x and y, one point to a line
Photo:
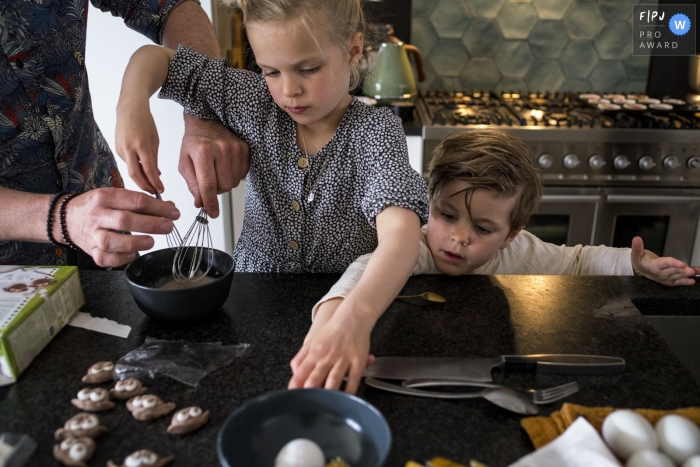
480	369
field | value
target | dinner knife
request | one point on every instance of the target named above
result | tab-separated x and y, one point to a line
481	369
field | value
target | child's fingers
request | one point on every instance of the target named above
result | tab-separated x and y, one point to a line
354	377
151	172
136	173
337	374
318	375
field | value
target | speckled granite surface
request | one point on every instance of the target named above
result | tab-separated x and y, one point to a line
484	316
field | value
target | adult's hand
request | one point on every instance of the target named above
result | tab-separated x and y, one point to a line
96	219
212	161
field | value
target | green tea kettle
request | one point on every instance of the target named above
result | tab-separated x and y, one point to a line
391	76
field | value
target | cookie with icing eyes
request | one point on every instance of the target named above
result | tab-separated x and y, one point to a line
100	372
187	419
148	407
43	282
93	400
83	424
16	288
127	388
74	451
143	458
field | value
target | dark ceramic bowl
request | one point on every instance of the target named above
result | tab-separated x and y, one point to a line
147	273
342	425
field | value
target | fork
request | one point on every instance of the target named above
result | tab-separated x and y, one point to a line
538	396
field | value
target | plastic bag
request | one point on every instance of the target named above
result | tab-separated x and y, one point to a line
15	449
187	362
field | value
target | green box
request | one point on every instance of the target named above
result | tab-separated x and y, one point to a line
35	303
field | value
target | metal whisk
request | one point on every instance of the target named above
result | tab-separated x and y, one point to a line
195	246
173	239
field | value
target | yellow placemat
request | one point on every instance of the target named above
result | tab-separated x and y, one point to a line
542	430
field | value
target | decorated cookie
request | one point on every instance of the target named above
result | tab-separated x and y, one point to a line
187	419
143	458
43	282
83	424
93	400
100	372
148	407
127	388
15	288
74	451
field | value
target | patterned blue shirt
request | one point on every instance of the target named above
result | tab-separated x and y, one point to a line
49	140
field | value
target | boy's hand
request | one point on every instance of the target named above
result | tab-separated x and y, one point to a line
212	161
137	144
665	270
336	346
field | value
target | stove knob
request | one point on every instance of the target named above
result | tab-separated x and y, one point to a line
647	163
694	162
672	162
621	162
546	161
571	161
596	162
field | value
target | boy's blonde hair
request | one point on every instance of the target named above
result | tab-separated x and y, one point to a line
489	158
340	19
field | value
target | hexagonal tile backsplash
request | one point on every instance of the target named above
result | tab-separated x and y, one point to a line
528	45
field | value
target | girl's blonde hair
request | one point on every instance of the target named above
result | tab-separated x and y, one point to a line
491	159
341	19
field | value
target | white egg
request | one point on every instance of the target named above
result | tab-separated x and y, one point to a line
692	462
627	432
649	458
678	437
300	452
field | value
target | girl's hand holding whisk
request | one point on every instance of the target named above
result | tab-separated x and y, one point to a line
136	133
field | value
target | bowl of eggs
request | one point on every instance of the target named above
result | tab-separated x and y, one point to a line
160	296
304	428
674	441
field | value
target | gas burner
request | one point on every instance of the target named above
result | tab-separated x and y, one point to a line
559	110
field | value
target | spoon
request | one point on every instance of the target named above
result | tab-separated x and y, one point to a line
430	296
498	395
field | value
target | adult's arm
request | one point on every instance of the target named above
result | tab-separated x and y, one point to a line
212	159
93	220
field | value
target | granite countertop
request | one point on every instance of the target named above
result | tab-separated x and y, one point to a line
483	316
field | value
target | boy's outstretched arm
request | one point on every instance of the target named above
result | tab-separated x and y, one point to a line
337	344
136	134
664	270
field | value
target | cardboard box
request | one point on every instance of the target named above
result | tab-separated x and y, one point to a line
35	303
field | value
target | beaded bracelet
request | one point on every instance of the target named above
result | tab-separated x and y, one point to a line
49	219
62	221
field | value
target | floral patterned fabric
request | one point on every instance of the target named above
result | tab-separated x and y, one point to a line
49	140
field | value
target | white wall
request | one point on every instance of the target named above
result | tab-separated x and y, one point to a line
109	46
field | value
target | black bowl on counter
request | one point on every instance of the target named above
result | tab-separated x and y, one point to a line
341	425
147	275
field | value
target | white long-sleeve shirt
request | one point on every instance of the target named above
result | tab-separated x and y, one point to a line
526	254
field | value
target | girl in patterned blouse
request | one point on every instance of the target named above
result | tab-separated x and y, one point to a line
329	176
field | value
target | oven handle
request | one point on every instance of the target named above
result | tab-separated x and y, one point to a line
570	199
651	199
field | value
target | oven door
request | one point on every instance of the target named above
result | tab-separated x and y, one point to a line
665	218
566	215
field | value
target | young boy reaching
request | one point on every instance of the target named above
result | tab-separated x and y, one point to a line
482	190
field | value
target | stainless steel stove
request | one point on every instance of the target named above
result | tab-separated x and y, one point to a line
614	166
